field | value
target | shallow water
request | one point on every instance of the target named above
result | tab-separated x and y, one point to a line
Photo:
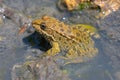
14	48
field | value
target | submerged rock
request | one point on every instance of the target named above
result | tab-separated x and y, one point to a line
42	69
105	6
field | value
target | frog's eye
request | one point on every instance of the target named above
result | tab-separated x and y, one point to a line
42	26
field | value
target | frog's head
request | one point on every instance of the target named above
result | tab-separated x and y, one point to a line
44	25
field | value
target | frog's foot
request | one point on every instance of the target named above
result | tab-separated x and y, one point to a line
73	61
69	61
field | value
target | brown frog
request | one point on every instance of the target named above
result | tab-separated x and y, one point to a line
75	40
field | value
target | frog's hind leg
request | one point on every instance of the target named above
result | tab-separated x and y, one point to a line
80	53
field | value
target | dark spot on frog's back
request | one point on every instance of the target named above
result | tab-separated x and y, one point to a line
53	26
60	25
77	34
61	29
65	42
60	38
68	31
74	28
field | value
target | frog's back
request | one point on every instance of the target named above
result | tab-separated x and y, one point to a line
80	45
69	36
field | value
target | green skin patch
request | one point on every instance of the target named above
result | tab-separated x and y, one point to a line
88	5
84	5
91	29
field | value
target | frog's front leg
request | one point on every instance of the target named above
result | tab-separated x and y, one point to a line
54	50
